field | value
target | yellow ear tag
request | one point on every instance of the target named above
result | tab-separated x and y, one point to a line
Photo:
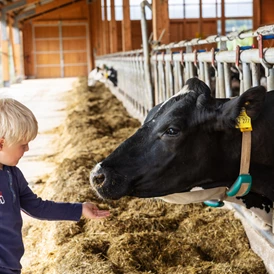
244	121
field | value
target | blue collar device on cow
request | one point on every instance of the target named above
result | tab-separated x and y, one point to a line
242	185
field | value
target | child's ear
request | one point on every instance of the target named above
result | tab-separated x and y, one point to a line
2	140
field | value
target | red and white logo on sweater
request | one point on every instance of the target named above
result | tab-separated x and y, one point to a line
2	200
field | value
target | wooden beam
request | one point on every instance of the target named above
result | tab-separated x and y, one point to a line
33	1
90	37
5	50
223	17
42	10
28	50
15	5
99	26
106	30
5	63
52	5
11	41
19	5
16	48
56	21
160	20
113	29
64	9
257	13
126	27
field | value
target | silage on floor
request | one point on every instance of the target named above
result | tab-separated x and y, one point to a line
142	235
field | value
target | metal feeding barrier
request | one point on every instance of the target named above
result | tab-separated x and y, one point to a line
146	79
171	65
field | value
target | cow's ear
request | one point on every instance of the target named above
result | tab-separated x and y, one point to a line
198	86
252	100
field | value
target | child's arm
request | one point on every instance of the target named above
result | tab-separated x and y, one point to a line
49	210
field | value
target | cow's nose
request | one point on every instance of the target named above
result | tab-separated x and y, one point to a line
98	180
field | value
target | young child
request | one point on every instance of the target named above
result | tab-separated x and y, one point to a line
18	127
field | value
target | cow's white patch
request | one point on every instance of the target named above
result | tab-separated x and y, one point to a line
258	216
197	188
93	173
95	170
184	90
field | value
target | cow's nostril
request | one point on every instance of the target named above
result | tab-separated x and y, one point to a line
98	180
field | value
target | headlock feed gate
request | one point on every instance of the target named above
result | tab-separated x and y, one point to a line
146	78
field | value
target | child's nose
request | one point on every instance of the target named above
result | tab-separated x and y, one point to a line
27	148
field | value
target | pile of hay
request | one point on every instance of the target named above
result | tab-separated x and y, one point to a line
142	235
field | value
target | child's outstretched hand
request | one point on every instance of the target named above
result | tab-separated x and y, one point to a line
91	211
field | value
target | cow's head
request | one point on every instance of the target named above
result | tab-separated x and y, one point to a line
188	141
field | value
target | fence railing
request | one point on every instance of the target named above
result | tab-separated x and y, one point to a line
208	59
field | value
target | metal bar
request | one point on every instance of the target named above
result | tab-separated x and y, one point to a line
148	78
246	76
228	91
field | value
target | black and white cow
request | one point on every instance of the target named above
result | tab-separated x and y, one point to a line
190	141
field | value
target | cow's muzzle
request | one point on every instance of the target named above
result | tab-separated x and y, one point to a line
104	183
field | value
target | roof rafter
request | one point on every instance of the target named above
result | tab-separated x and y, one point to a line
43	9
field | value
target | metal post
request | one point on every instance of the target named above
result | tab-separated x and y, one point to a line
221	80
246	76
148	78
228	91
255	75
270	80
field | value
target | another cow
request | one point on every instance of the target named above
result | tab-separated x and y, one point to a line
190	141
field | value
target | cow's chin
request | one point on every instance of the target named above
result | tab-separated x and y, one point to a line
106	193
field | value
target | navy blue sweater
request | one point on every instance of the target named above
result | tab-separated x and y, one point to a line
15	195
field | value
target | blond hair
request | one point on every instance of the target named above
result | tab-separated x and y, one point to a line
17	122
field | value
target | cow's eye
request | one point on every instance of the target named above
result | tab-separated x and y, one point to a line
172	131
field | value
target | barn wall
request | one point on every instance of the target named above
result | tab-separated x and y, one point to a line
62	42
56	44
136	33
181	29
267	15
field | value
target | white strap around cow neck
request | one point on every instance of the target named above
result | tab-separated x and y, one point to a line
196	196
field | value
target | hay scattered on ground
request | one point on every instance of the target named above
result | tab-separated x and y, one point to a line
142	235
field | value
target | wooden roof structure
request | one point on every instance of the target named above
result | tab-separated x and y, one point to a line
60	38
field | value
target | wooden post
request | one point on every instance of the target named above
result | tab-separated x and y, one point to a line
5	51
28	49
113	30
160	20
106	30
256	13
223	17
14	35
98	25
126	27
200	32
91	36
